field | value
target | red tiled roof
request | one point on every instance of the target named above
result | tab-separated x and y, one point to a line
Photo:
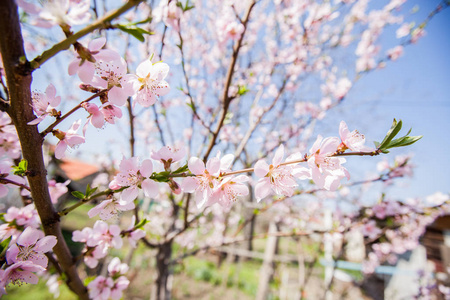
76	169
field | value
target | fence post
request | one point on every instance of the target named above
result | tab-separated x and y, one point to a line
267	268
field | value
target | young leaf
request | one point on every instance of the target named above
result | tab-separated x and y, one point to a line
137	32
21	168
404	141
395	128
78	194
141	223
4	246
182	169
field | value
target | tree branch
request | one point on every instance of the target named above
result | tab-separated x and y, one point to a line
65	44
225	97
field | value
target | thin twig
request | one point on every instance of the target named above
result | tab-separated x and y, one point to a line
65	44
59	120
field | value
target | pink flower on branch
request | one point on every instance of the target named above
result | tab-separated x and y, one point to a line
105	236
134	176
133	235
149	82
203	184
20	273
100	288
169	155
45	104
67	139
326	171
57	189
352	140
113	75
110	207
5	169
85	68
278	178
31	246
57	12
228	191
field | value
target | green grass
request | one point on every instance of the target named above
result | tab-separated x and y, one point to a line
244	275
36	292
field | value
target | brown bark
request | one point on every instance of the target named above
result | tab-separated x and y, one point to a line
19	80
162	284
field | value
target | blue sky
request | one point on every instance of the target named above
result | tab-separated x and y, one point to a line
416	89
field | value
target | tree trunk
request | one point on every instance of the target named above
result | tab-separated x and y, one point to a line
163	283
18	77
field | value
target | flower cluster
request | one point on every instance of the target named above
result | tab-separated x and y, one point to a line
25	253
110	287
9	141
100	238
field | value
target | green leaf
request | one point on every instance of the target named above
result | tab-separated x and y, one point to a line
21	168
148	20
242	90
141	223
160	177
4	246
90	191
78	194
182	169
135	31
2	217
395	128
404	141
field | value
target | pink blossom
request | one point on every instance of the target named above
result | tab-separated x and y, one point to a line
134	177
342	88
371	230
100	288
168	155
68	139
57	12
105	236
134	235
228	191
116	268
82	236
228	28
276	177
171	14
352	140
112	75
25	216
111	112
31	246
403	31
5	168
110	208
149	82
85	68
120	285
205	180
45	104
436	199
417	33
9	141
395	52
20	273
96	117
92	257
326	171
57	189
